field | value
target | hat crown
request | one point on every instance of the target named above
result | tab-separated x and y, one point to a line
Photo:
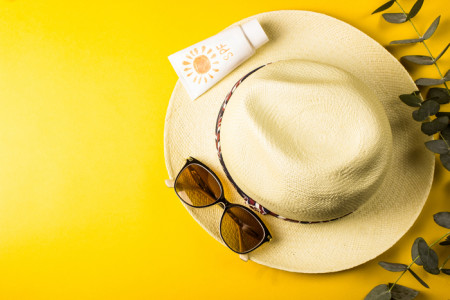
306	140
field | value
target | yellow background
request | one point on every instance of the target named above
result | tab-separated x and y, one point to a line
84	213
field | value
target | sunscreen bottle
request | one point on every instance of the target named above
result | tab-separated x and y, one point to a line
202	65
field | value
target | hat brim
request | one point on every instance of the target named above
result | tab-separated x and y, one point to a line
381	221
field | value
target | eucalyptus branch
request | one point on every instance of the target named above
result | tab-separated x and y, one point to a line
431	55
424	43
435	96
418	256
422	254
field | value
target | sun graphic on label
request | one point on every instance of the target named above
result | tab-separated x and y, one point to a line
199	64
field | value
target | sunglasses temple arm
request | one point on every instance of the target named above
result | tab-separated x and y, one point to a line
169	183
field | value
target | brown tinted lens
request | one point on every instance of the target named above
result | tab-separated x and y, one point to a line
241	230
197	186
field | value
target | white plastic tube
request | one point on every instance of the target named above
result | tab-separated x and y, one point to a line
202	65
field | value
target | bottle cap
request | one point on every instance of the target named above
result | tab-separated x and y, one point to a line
255	34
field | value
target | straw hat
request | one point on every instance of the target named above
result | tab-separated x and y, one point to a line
317	134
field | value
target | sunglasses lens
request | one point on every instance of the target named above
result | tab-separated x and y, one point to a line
240	230
197	186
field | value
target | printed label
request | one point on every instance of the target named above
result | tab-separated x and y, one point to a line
201	64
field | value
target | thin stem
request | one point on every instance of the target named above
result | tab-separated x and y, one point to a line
404	272
434	243
426	46
445	261
439	239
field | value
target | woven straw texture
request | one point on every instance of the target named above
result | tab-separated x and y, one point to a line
314	142
395	198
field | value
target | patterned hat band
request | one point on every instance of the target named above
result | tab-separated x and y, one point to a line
250	202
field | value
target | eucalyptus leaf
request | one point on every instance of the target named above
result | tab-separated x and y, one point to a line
395	18
442	53
432	28
428	257
447	76
443	113
438	124
446	242
408	41
446	134
440	95
418	278
444	120
442	219
445	160
400	292
384	7
415	9
393	267
429	81
419	59
415	252
411	100
380	292
428	108
417	117
446	271
437	146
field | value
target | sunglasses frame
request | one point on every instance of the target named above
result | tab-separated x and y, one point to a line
224	203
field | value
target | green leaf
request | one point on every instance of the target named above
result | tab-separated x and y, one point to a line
409	41
438	124
429	81
400	292
428	108
384	7
411	100
442	53
380	292
446	271
419	59
418	278
428	257
415	9
442	219
395	18
432	28
440	95
445	160
393	267
415	252
437	146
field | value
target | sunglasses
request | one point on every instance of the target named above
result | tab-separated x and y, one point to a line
240	228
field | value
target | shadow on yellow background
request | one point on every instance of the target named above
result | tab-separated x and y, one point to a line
84	213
